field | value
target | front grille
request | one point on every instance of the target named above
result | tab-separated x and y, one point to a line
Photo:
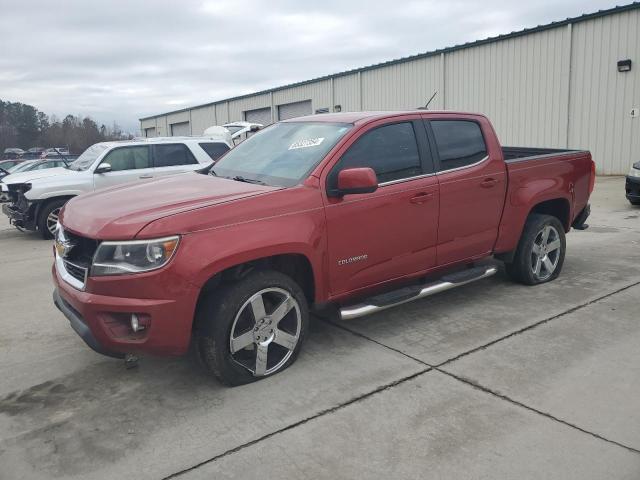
76	261
76	271
82	253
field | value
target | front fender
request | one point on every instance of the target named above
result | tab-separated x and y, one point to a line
207	253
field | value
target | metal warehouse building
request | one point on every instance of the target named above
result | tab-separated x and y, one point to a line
573	83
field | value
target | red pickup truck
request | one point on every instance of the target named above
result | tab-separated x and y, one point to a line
348	213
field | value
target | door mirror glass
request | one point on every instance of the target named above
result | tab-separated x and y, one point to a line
356	180
103	168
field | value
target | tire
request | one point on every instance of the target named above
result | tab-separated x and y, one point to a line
634	202
229	336
535	263
49	215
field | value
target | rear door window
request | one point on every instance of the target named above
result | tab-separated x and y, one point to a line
214	149
459	143
391	151
128	158
171	155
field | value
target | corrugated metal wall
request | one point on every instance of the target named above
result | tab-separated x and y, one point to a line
601	97
557	87
521	83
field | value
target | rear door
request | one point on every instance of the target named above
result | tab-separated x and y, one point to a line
472	181
128	164
392	232
172	158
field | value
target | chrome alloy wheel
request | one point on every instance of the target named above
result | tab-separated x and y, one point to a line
545	253
265	331
52	221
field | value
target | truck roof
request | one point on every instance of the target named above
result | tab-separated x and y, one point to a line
358	117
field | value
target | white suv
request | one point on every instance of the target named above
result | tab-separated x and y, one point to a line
36	197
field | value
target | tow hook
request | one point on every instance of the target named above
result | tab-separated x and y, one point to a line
130	361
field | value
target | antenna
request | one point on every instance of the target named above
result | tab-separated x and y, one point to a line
426	107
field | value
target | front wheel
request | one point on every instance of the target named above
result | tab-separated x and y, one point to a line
251	329
48	218
540	254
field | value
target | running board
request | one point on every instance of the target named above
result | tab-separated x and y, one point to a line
411	293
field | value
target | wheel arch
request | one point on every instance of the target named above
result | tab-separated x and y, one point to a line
295	265
40	205
556	207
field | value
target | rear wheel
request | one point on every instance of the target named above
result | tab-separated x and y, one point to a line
48	218
540	254
251	329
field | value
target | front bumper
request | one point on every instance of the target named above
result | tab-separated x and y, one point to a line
103	321
81	328
20	217
632	188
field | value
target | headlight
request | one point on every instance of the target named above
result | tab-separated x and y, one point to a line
635	170
117	258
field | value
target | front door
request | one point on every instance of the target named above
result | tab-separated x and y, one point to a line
128	164
392	232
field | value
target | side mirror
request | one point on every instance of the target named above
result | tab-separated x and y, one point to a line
254	128
357	180
103	168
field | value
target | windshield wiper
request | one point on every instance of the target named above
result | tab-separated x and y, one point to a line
239	178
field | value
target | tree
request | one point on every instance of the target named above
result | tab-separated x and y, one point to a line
23	126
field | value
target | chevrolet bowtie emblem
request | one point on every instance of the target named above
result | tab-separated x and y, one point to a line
63	247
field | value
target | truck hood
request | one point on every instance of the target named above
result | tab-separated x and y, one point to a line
27	177
119	213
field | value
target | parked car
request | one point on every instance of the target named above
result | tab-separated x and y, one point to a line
363	211
56	150
632	184
12	153
5	165
18	167
33	153
27	166
36	197
58	155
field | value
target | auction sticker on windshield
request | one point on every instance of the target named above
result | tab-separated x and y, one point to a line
306	143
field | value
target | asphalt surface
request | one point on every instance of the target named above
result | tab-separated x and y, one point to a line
491	380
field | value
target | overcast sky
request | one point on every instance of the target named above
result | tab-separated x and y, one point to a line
120	60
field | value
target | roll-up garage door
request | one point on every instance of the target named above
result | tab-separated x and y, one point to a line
292	110
150	132
180	129
260	115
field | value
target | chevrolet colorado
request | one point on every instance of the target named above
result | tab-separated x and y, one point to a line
351	212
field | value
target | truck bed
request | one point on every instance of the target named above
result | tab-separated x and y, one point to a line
518	154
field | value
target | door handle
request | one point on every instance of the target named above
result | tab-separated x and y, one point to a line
145	176
421	197
488	182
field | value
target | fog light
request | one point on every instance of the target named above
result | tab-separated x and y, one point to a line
135	323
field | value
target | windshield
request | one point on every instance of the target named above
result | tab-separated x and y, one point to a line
21	167
89	156
281	155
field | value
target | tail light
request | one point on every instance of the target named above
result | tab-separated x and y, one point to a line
592	180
